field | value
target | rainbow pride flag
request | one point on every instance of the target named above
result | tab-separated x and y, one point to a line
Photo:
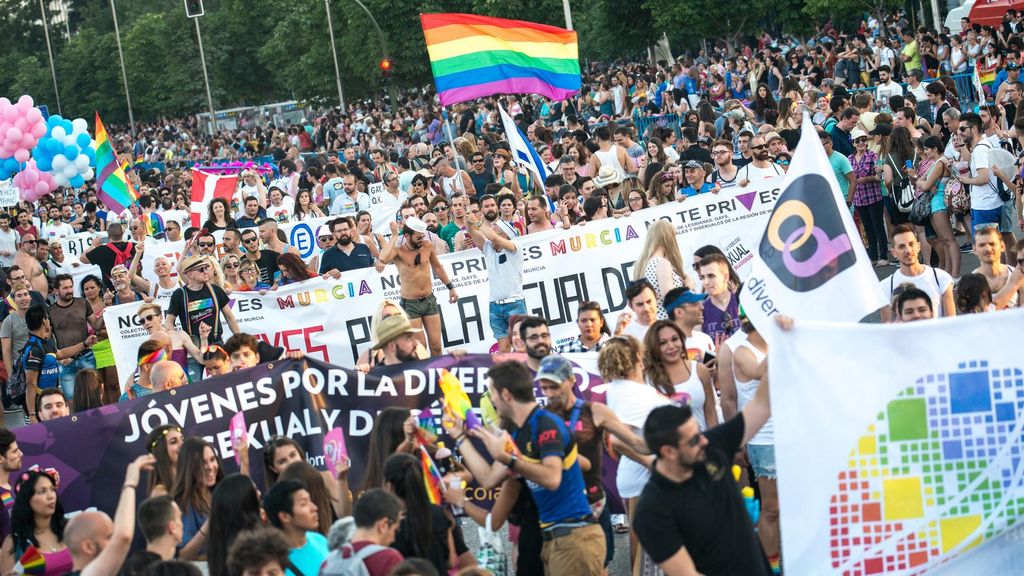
477	56
112	187
432	479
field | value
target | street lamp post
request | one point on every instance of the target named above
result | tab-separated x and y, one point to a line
334	54
384	48
49	50
206	78
124	73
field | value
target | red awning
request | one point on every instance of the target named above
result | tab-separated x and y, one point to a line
990	13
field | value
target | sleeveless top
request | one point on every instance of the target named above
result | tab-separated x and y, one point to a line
35	561
611	158
180	356
690	393
651	274
745	390
450	185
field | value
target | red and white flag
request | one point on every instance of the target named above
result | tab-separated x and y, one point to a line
206	187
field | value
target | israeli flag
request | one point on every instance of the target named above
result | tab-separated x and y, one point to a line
522	152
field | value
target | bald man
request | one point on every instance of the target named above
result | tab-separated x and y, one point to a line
98	545
167	374
25	258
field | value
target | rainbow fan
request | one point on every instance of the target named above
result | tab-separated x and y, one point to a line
33	561
456	401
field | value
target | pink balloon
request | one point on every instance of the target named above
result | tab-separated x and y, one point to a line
31	178
34	115
14	134
25	103
22	154
10	113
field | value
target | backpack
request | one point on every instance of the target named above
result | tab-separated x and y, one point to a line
1006	162
121	256
903	193
355	565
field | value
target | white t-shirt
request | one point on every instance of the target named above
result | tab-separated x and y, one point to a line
637	330
984	196
183	218
933	281
58	230
632	402
698	344
505	273
282	213
886	91
9	244
752	173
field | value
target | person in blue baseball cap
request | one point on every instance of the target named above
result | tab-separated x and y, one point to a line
686	309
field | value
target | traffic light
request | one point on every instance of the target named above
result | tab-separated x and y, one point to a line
385	67
194	8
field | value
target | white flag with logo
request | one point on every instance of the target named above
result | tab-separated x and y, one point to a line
810	263
899	446
523	152
206	187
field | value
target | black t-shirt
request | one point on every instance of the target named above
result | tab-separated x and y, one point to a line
195	307
106	257
438	552
705	514
267	265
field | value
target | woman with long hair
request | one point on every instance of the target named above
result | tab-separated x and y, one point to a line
763	101
656	151
330	494
637	200
293	269
669	370
230	265
660	262
218	216
279	453
392	432
425	531
37	522
305	208
931	178
973	295
234	508
621	362
366	235
92	291
164	443
661	189
199	472
88	391
895	174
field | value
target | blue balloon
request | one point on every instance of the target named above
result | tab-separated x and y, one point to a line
83	141
44	164
70	152
54	146
77	181
11	165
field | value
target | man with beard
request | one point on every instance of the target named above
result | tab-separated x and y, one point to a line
533	331
69	317
691	487
415	258
397	339
123	292
724	174
25	259
264	258
345	255
588	421
760	166
504	267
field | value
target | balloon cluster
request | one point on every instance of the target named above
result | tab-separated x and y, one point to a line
33	182
67	151
21	127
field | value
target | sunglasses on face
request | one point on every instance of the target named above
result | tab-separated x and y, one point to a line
693	442
148	317
440	209
231	266
28	242
202	269
249	240
759	147
206	244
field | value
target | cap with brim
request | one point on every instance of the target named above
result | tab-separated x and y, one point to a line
858	133
193	261
392	327
425	173
1012	66
693	165
323	230
687	297
554	368
416	225
769	137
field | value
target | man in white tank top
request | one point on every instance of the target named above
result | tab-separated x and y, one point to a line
610	154
452	181
750	366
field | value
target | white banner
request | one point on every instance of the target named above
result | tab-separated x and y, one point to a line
9	193
79	243
810	264
899	458
562	268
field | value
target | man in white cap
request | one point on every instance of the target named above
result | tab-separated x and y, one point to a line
346	254
324	241
397	338
415	258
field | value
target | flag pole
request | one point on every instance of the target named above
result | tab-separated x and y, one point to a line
451	139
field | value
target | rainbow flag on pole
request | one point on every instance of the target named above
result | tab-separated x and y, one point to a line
477	56
432	479
112	187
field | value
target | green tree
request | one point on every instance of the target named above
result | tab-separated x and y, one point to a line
162	59
90	77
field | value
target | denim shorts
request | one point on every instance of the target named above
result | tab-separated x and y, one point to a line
1007	219
762	459
500	313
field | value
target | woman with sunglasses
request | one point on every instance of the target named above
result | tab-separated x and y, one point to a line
866	198
152	316
250	276
229	265
165	284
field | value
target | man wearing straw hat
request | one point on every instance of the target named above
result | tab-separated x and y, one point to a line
397	338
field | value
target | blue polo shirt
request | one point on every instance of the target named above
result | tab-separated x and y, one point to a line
336	259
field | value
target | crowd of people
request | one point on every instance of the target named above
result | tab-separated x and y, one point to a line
688	394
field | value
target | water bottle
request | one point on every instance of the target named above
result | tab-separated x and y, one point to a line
455	483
